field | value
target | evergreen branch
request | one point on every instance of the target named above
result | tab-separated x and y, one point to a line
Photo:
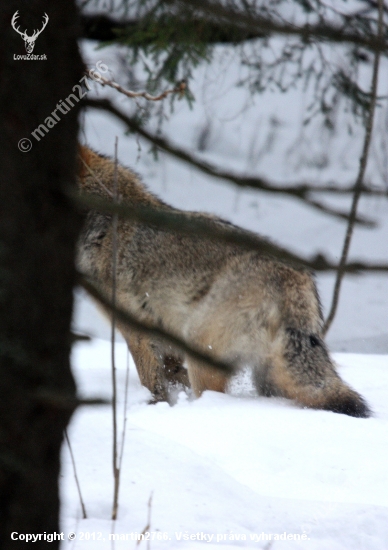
226	26
107	29
321	32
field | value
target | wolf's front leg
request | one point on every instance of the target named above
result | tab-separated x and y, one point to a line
160	372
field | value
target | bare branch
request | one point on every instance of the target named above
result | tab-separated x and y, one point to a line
95	176
178	222
372	190
84	515
123	433
180	88
300	192
116	470
360	177
148	526
366	222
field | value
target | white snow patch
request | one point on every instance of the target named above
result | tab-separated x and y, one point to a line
229	465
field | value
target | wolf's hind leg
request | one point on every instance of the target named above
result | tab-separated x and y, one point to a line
262	380
204	378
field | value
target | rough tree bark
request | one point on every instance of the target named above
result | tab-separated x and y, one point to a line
38	231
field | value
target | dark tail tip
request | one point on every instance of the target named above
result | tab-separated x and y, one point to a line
352	405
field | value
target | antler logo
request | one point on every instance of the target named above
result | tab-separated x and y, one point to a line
29	41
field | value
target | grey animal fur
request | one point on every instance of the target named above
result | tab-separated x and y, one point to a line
241	305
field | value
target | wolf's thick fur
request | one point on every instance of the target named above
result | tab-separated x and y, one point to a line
240	305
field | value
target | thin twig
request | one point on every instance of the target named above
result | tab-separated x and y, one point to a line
180	88
92	173
84	515
366	222
116	471
125	412
148	526
360	178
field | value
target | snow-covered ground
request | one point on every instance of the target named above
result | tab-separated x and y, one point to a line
232	470
235	468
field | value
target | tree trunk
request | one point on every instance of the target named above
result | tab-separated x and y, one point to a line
38	232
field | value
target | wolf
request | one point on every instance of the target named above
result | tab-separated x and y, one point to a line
241	306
